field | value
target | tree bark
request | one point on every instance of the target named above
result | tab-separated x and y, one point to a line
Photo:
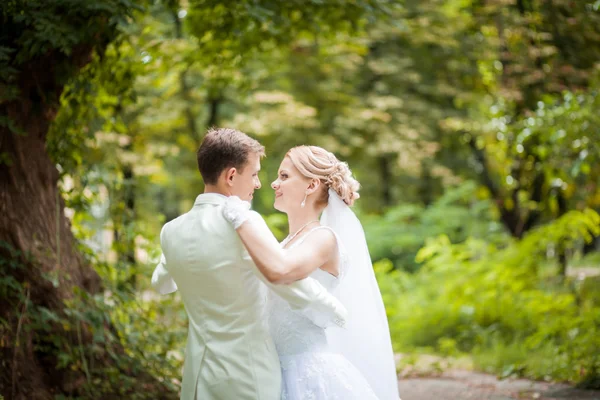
123	212
185	88
33	225
386	179
124	220
563	262
592	246
213	112
425	184
511	218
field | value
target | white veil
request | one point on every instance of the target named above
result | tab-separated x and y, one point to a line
366	340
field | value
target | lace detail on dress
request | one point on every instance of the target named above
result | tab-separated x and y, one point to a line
292	332
310	371
322	376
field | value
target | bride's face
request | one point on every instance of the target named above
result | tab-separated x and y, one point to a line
290	187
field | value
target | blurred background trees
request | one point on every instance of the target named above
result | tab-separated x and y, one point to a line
472	126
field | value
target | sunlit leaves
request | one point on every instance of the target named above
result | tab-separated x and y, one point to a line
491	299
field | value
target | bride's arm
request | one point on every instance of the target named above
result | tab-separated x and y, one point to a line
287	266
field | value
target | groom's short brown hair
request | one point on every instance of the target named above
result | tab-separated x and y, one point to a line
224	148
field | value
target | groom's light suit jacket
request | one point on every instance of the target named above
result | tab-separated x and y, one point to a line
230	354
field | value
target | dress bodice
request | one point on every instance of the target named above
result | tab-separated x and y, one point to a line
310	368
292	332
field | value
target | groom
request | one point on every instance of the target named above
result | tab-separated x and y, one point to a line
229	354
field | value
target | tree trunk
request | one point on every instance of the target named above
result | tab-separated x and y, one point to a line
426	183
128	257
563	262
213	112
123	217
32	222
386	179
592	246
185	88
44	265
510	217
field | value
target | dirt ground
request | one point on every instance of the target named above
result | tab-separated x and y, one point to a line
466	385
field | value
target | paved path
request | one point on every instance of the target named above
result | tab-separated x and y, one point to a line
464	385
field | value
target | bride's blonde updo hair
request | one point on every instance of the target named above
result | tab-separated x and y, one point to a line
317	163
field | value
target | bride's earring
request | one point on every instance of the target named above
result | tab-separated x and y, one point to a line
303	201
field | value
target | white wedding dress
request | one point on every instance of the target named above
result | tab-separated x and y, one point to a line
311	370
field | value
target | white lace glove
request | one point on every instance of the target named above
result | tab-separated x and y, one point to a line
236	211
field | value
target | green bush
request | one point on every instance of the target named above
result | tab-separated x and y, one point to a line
501	302
460	213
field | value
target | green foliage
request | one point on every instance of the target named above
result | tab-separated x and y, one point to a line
464	122
558	140
89	104
398	234
501	302
88	330
34	29
246	25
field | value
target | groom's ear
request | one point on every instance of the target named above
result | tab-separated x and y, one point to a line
229	174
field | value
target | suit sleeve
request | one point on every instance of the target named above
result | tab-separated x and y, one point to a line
306	296
162	282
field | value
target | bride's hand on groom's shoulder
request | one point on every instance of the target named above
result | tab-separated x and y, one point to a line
236	211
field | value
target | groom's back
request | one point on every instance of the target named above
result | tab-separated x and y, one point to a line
229	352
201	248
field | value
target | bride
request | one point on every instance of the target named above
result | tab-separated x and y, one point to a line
352	363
